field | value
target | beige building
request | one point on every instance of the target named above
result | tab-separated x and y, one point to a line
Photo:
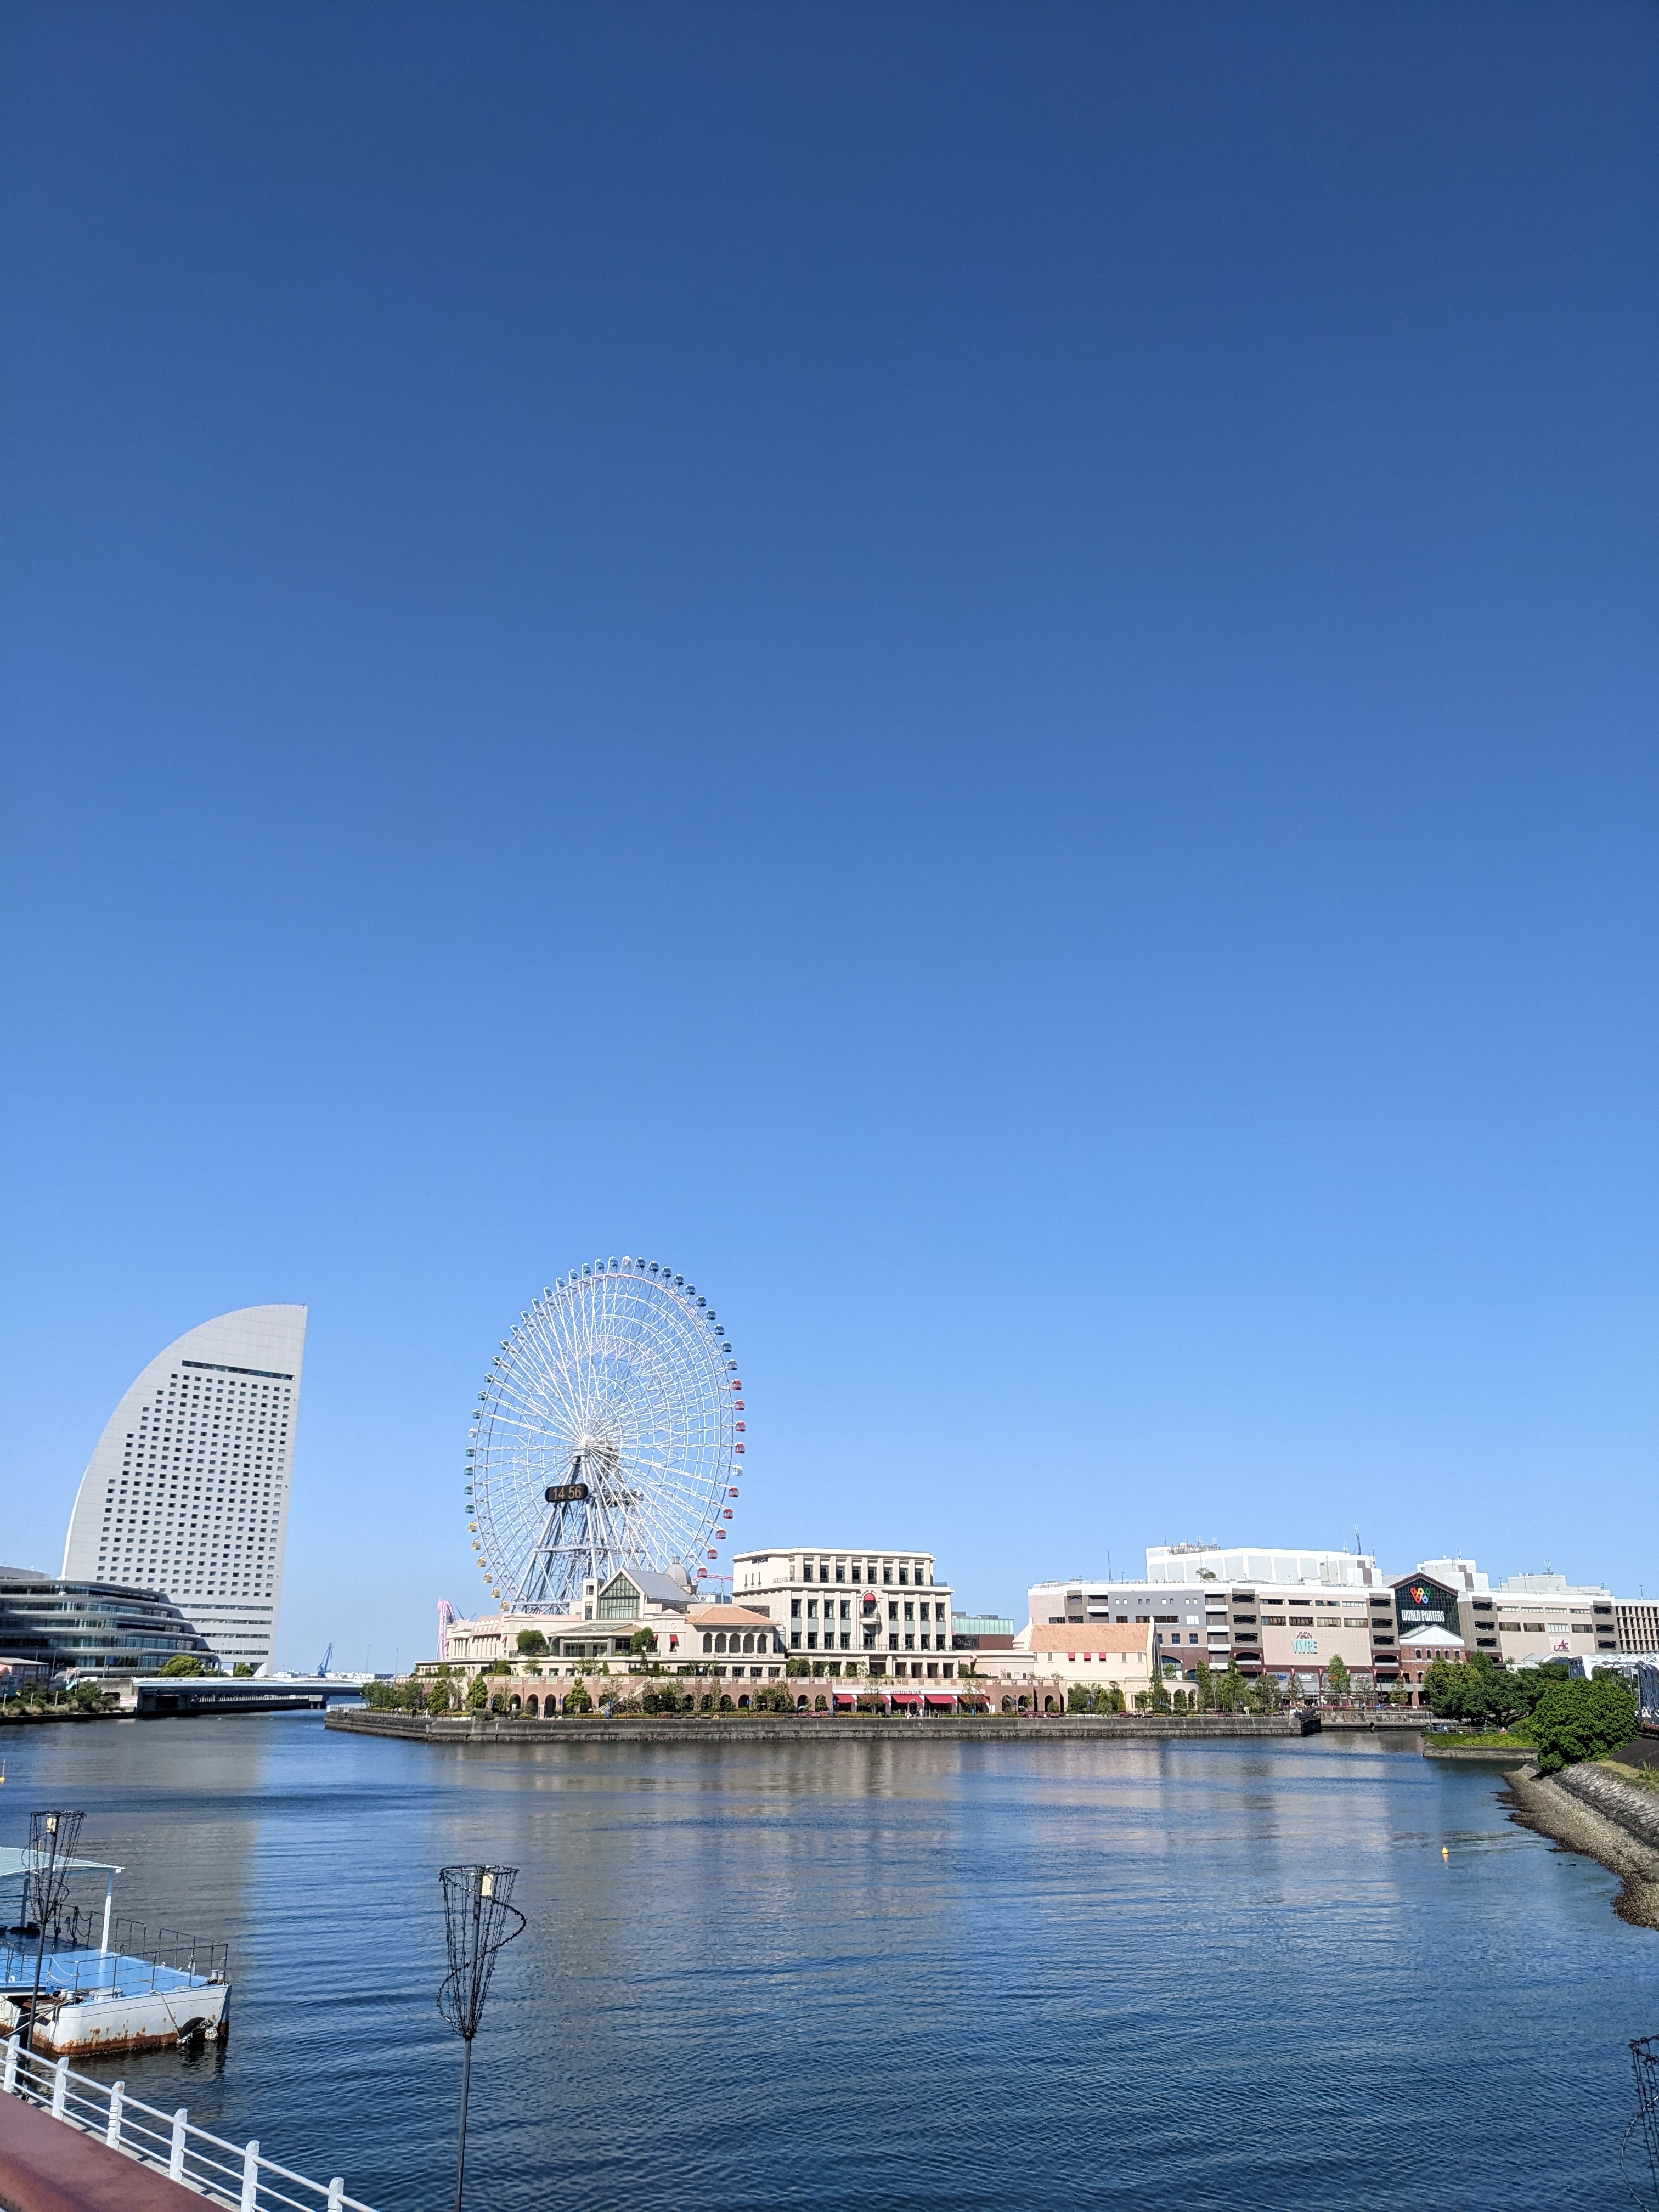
688	1637
1100	1655
853	1610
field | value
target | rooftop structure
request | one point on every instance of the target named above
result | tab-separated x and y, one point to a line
1191	1563
187	1491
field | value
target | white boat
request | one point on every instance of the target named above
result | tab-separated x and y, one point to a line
105	1986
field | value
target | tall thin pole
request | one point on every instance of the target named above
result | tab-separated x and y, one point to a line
478	1918
460	2155
45	1898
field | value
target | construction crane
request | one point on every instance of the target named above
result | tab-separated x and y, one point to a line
326	1662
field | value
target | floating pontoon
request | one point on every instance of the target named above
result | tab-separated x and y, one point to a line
104	1985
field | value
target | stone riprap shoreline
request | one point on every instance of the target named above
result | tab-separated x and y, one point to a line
781	1727
1587	1808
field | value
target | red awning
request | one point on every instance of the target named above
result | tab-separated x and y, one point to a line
935	1700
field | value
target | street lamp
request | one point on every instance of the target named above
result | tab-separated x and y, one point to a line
479	1917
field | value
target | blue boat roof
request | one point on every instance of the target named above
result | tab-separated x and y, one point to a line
102	1970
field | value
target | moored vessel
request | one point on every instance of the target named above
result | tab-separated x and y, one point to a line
84	1983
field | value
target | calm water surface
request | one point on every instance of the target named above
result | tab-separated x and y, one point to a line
882	1976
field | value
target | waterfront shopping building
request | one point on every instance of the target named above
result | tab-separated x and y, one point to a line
1291	1614
186	1494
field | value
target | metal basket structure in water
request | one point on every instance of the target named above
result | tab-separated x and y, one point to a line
1638	2155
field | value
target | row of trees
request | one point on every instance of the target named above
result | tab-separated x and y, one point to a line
85	1696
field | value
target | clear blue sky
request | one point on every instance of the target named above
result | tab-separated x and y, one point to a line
984	672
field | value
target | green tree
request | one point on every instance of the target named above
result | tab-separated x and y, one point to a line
1338	1680
1206	1693
1079	1698
378	1696
1573	1721
1230	1698
1443	1690
642	1642
477	1697
576	1700
242	1670
437	1697
796	1666
532	1644
185	1663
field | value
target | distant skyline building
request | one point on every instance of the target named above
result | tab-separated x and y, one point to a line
187	1491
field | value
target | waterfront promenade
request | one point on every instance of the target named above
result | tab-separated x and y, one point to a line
701	1728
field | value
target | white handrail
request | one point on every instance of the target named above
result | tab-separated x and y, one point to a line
240	2179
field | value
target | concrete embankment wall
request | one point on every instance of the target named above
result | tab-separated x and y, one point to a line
780	1728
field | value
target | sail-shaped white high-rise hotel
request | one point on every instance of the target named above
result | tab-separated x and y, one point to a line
187	1492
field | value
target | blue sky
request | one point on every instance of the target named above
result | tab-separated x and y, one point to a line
985	672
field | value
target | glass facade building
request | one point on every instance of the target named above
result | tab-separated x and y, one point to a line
57	1624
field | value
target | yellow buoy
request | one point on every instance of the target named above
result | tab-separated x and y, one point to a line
1444	1853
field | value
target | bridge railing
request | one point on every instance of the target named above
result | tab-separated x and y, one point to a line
234	2175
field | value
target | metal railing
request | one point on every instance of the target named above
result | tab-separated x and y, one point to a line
77	1960
231	2174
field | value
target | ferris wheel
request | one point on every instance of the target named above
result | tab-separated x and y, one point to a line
608	1434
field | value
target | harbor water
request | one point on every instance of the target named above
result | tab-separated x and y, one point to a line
1291	1975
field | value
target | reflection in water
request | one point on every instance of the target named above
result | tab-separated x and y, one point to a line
892	1974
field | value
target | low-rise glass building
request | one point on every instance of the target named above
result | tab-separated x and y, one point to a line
76	1627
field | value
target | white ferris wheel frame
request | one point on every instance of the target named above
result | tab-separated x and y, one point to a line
619	1392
